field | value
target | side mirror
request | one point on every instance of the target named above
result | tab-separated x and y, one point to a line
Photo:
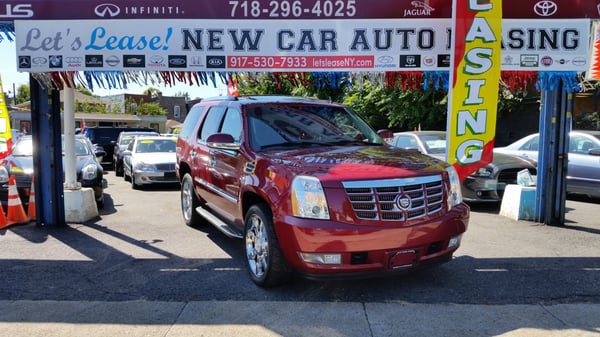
222	141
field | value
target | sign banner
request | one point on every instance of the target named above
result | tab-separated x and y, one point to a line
286	45
5	130
11	10
593	72
475	75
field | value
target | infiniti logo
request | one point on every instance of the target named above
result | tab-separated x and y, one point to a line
545	8
107	10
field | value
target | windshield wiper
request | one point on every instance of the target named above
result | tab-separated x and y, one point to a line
294	144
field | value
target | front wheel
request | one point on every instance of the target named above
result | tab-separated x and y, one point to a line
189	201
266	264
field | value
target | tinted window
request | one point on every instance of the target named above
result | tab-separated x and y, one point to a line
232	124
190	122
212	122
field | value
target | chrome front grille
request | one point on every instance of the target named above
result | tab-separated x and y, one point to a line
396	199
165	167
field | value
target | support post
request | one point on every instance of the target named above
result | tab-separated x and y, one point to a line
47	159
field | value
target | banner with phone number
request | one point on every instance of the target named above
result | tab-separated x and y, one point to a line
5	131
475	74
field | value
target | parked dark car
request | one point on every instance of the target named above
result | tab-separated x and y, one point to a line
313	190
583	168
488	183
20	164
106	136
125	137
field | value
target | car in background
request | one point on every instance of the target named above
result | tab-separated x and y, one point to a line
488	183
583	169
20	164
106	137
150	160
125	137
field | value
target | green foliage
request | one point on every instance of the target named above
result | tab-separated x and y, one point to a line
397	109
23	94
150	109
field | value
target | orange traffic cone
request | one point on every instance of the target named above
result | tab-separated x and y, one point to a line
3	221
31	204
15	213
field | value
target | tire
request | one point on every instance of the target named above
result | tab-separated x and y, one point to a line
118	169
266	264
189	202
133	184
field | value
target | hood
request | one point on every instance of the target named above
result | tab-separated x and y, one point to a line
155	157
24	165
334	164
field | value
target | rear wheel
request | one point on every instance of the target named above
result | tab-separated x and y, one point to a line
189	201
266	264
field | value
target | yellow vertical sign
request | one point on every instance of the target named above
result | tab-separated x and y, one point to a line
5	131
475	75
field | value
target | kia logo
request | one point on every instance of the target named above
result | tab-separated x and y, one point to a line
545	8
107	10
215	62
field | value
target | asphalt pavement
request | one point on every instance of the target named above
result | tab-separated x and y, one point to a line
489	235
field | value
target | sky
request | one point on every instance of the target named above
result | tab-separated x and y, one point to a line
11	78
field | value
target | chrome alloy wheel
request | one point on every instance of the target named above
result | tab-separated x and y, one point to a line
257	246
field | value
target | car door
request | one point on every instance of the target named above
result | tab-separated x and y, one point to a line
583	173
226	168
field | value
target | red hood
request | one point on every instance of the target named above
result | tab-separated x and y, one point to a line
335	164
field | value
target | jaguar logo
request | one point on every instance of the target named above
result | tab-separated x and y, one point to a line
545	8
107	10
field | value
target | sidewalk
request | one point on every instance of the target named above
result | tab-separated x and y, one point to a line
233	318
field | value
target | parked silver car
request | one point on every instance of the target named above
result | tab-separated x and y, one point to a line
150	160
486	184
583	170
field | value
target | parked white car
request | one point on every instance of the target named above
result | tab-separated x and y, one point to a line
150	160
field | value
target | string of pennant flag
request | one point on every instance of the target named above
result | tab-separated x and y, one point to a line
405	80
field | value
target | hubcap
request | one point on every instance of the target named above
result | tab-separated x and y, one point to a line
257	247
186	199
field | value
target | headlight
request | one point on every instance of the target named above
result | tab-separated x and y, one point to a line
455	196
485	171
141	166
89	172
308	198
3	174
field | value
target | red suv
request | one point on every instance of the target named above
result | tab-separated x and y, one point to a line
312	189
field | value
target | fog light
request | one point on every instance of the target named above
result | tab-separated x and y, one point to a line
455	241
317	258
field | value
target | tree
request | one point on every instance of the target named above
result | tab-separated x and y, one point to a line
150	109
23	94
152	92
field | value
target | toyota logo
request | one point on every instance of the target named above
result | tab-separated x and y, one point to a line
545	8
107	10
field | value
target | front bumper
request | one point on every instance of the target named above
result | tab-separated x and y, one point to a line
154	177
367	250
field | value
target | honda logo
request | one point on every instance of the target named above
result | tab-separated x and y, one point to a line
107	10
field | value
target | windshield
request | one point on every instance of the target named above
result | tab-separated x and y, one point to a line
434	143
156	145
285	124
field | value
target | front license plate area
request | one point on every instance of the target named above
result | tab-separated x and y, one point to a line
403	259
